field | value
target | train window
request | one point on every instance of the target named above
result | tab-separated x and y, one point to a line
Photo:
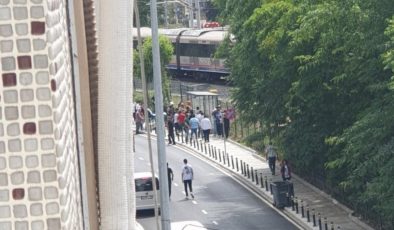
197	50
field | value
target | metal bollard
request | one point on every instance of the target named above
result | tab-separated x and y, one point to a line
308	217
266	184
236	163
325	223
314	217
201	146
332	226
319	221
205	148
242	167
182	137
257	177
261	180
191	143
198	147
296	205
302	209
292	203
220	156
232	162
209	150
216	156
247	168
228	160
224	158
251	172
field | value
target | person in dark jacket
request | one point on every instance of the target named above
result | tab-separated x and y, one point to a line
285	170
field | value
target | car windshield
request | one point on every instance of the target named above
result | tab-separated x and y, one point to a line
145	184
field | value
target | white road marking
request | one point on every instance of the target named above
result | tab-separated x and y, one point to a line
194	202
215	223
175	184
140	158
205	212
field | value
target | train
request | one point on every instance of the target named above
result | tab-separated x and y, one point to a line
194	51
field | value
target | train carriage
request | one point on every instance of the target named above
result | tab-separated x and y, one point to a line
194	52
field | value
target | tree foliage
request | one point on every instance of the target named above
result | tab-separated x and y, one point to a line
166	52
319	74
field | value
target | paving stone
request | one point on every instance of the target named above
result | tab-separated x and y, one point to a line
27	95
43	94
23	45
37	225
50	175
14	145
28	111
20	211
39	44
6	30
36	209
35	194
10	96
13	129
21	29
4	195
20	13
15	162
25	78
37	12
30	145
8	63
6	46
33	177
31	161
17	178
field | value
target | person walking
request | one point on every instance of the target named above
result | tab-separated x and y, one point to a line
170	126
271	155
285	170
226	124
194	124
206	127
187	177
170	179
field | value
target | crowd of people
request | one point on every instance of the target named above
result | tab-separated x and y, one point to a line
193	124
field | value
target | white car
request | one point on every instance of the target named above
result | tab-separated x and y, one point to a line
144	191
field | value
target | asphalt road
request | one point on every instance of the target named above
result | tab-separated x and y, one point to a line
220	201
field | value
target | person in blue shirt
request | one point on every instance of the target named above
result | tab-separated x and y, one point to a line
194	124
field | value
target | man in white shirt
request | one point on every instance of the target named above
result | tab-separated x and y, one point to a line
206	127
187	177
271	155
199	116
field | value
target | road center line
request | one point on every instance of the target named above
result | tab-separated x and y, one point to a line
215	223
205	212
140	158
194	202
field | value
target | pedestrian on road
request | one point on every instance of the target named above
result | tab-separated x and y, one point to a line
271	155
285	170
206	127
187	177
170	178
170	127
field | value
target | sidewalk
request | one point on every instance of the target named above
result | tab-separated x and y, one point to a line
336	215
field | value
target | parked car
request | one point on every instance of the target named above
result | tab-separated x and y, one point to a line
144	191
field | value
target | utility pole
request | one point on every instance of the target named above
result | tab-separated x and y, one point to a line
166	13
161	146
198	13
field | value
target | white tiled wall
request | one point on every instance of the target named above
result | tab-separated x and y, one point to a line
39	177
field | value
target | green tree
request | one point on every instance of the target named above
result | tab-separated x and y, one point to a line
166	52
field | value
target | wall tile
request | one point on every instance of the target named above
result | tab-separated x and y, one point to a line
1	130
3	163
53	85
20	1
49	176
5	13
17	178
20	13
25	78
5	30
15	162
4	195
8	63
53	223
23	45
20	211
43	94
4	2
35	194
48	160
36	210
51	193
5	211
52	208
44	111
45	127
40	61
31	161
47	144
10	96
29	128
11	113
2	147
37	28
27	95
24	62
21	29
3	180
39	44
21	225
42	77
18	193
13	129
6	46
9	79
36	1
28	111
30	145
37	12
33	177
6	225
14	145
